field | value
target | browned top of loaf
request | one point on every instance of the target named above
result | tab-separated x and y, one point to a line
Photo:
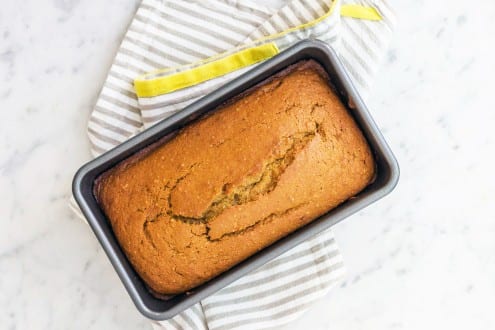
236	181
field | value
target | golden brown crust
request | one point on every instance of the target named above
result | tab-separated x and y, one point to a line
234	182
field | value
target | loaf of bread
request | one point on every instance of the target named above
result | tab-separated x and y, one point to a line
230	184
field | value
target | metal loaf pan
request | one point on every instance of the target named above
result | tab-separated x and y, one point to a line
159	309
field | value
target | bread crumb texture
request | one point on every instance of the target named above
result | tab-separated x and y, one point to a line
232	183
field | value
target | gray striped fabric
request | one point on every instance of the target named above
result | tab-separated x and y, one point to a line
170	33
159	107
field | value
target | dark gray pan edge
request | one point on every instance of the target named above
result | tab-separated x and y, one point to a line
156	309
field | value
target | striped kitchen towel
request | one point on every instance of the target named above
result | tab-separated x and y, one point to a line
167	37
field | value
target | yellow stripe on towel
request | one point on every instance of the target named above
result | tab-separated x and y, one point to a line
147	86
361	12
194	76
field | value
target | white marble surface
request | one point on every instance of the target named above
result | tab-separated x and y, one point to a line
422	258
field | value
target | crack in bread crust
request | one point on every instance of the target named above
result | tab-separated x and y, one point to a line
257	223
251	190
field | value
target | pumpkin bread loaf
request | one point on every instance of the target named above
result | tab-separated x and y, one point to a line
234	182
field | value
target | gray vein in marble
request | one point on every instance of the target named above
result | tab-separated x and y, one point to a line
17	159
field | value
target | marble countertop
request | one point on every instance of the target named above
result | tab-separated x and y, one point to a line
423	257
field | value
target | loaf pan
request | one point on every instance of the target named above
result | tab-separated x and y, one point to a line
387	175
